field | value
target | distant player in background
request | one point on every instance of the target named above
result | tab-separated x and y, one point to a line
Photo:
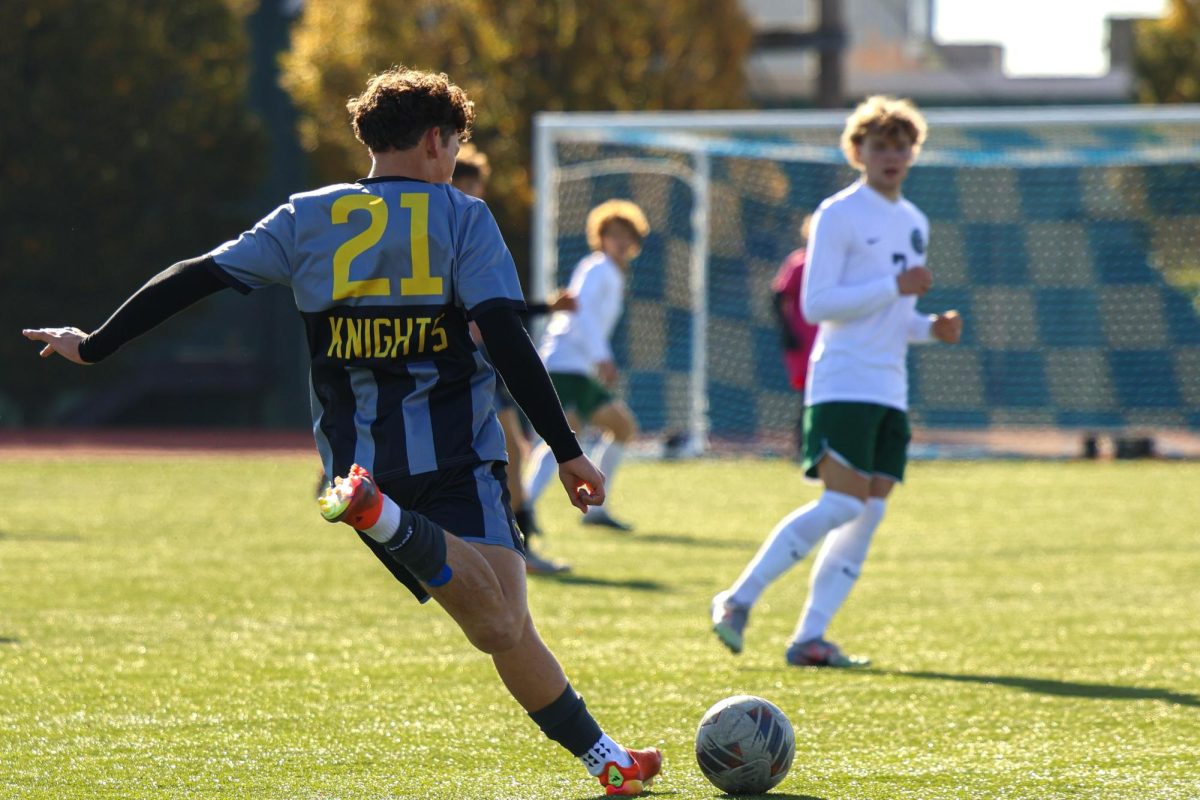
865	271
578	353
471	173
386	272
797	334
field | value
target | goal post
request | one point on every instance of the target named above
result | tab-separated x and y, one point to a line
1069	237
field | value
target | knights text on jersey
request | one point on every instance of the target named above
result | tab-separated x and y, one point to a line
385	273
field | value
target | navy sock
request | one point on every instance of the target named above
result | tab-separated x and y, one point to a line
568	722
420	545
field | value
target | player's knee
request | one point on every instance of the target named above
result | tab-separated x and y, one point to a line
626	429
840	507
496	635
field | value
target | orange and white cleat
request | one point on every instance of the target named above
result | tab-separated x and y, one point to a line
632	780
353	499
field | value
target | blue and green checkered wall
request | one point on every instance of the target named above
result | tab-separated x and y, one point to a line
1077	284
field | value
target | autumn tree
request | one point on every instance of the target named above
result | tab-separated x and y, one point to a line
515	58
126	144
1167	55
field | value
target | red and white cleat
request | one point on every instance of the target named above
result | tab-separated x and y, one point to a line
353	499
632	780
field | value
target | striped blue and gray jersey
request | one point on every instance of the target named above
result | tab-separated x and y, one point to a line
386	273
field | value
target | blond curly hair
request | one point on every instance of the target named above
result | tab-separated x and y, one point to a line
885	116
615	211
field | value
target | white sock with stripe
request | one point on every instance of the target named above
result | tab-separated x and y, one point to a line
790	541
607	460
837	567
602	752
542	469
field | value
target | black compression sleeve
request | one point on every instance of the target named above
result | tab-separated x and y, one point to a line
168	292
516	359
532	310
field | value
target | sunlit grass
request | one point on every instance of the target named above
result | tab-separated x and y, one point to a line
189	628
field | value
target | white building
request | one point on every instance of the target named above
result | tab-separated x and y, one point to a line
890	48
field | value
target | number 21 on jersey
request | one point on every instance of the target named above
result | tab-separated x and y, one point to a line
420	283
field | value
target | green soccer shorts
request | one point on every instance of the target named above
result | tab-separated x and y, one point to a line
581	394
867	437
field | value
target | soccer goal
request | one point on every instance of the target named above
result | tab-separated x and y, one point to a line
1069	238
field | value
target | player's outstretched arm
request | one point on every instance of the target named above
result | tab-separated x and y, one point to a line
164	295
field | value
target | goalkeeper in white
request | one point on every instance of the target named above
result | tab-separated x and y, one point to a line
866	269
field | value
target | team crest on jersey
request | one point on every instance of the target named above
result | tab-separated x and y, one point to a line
918	241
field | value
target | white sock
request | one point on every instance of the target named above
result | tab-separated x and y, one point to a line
388	523
608	460
836	569
602	752
542	468
790	541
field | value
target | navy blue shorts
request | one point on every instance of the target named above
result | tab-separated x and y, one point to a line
471	502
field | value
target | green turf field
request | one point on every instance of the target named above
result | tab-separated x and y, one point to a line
189	628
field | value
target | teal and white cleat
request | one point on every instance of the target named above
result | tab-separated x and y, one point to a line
820	653
729	621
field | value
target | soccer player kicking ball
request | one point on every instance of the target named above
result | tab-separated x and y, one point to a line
866	269
386	273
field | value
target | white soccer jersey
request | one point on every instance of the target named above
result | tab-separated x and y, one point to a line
860	242
576	341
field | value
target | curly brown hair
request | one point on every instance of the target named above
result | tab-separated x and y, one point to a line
885	116
400	104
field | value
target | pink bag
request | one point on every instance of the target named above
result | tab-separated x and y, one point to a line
788	282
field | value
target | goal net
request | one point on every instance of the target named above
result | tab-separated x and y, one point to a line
1069	239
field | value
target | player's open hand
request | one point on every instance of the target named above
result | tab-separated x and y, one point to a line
583	481
64	341
947	327
915	280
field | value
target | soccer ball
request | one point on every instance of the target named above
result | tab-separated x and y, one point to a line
745	745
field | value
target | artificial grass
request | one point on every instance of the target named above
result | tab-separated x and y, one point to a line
187	627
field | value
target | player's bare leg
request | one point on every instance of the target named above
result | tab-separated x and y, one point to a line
536	680
501	626
482	587
527	667
515	446
838	477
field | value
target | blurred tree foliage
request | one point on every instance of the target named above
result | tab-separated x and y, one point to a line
127	144
514	58
1167	55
